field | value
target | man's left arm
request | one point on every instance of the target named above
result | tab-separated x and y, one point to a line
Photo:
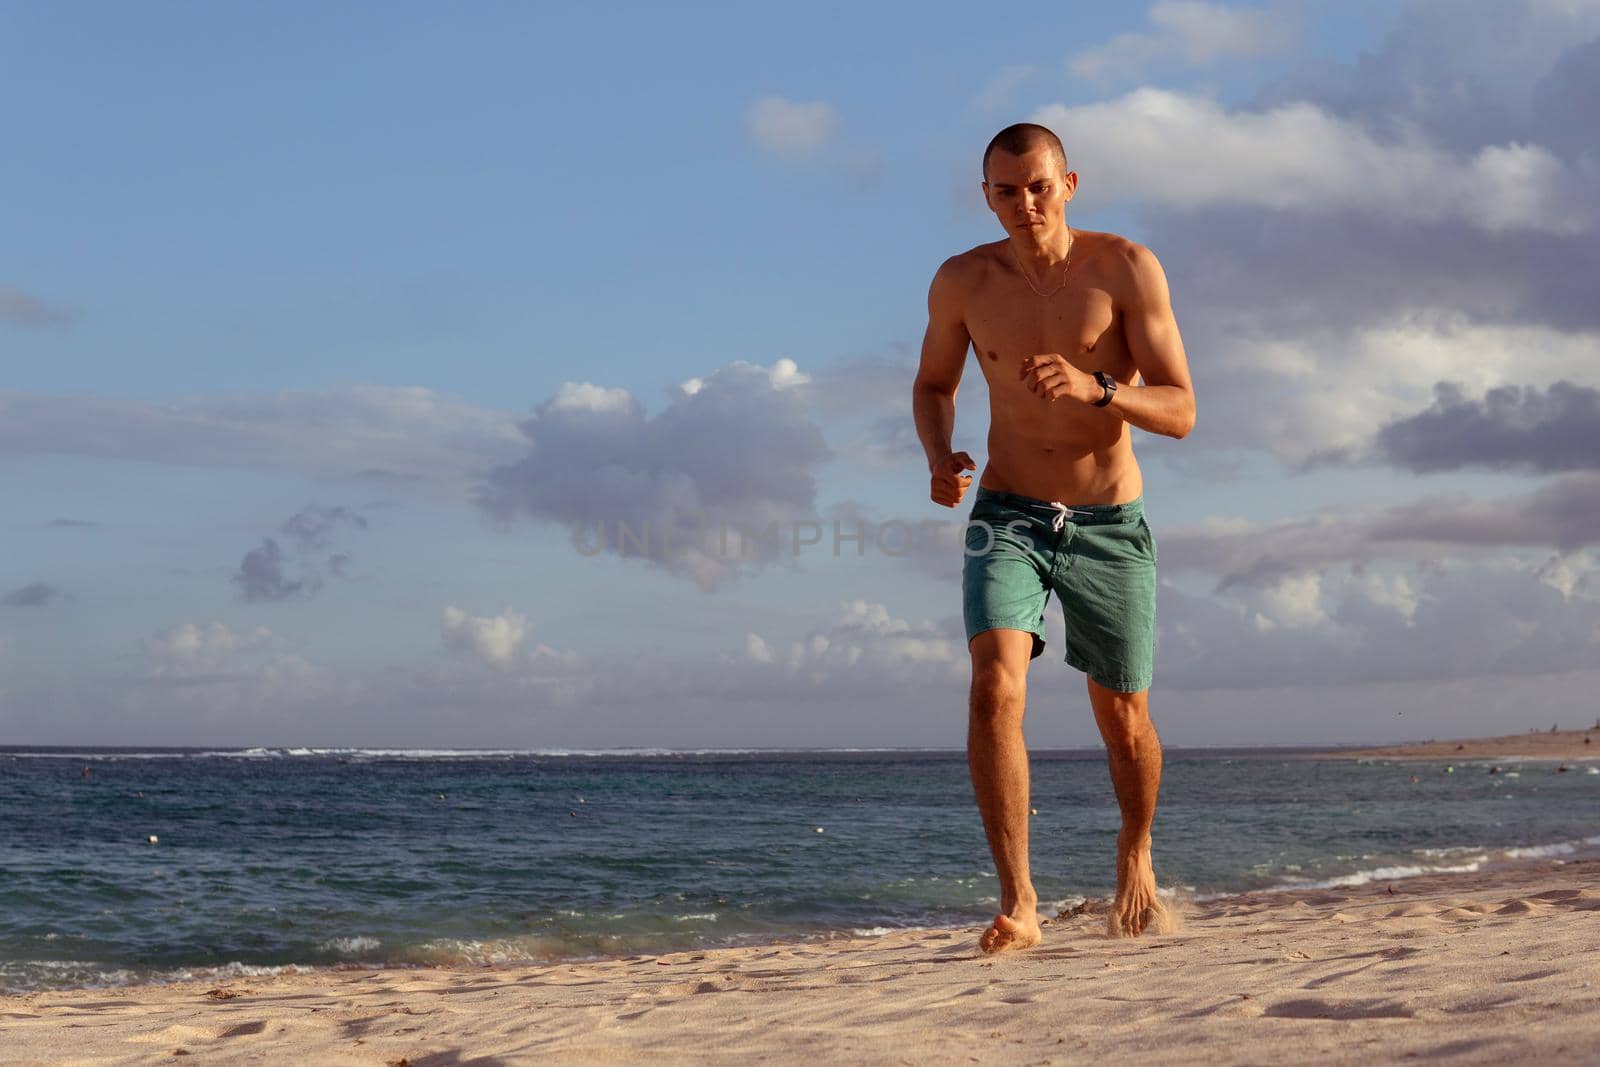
1164	404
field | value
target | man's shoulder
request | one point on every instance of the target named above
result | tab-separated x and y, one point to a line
964	272
1113	249
976	259
1127	268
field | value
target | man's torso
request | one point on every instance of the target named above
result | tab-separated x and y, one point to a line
1061	451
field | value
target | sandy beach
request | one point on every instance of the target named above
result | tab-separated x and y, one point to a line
1489	967
1546	744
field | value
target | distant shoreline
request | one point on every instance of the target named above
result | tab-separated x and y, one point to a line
1550	745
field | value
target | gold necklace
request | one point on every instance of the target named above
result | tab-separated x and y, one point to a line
1066	266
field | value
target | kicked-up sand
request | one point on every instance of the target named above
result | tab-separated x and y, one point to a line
1498	966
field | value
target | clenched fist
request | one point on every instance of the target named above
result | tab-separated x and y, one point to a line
949	485
1050	376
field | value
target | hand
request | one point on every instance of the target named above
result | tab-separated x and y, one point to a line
949	485
1051	377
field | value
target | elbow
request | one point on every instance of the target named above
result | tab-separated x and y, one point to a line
1186	426
933	390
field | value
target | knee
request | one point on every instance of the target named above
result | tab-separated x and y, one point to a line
1126	729
998	694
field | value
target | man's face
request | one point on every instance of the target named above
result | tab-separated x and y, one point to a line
1028	193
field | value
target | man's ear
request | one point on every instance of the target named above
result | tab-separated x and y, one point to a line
1071	180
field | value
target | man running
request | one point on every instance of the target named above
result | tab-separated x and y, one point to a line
1063	322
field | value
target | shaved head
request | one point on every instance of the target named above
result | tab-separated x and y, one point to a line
1022	138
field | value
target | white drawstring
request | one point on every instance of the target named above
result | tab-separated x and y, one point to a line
1062	511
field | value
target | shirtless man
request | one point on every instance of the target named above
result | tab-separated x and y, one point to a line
1060	502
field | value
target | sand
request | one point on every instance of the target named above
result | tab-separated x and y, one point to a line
1555	745
1491	967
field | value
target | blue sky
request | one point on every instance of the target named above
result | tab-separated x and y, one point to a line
292	268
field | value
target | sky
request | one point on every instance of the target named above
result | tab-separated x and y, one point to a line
341	346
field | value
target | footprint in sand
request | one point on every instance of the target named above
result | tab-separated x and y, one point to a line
176	1034
1519	907
1333	1009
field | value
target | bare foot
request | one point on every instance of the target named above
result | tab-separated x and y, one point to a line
1009	933
1137	906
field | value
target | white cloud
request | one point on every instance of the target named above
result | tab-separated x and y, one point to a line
189	648
1186	32
1331	625
736	452
1189	153
582	396
495	639
785	373
1326	389
1575	574
790	128
755	648
864	647
1294	601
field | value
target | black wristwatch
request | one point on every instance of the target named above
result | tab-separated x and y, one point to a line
1109	384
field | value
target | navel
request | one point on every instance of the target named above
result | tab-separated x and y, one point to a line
993	355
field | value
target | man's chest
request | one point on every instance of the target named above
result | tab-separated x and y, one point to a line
1078	322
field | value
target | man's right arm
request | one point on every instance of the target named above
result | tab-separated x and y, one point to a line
933	396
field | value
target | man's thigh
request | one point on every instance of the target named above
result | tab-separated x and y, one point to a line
1004	580
1107	591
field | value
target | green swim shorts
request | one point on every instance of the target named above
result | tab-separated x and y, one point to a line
1099	558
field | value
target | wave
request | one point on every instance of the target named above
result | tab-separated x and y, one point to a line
28	976
1469	859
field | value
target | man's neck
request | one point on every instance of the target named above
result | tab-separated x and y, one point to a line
1043	251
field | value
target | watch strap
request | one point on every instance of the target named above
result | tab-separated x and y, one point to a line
1109	384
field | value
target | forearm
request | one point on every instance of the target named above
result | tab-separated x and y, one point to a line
935	414
1164	409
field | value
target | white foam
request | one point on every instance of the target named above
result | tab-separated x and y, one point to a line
1539	851
234	970
873	931
450	951
1473	858
25	976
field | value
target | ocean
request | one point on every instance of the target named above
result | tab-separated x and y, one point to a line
121	866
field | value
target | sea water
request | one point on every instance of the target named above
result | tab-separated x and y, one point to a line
119	865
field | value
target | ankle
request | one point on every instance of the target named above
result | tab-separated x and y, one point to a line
1134	842
1023	902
